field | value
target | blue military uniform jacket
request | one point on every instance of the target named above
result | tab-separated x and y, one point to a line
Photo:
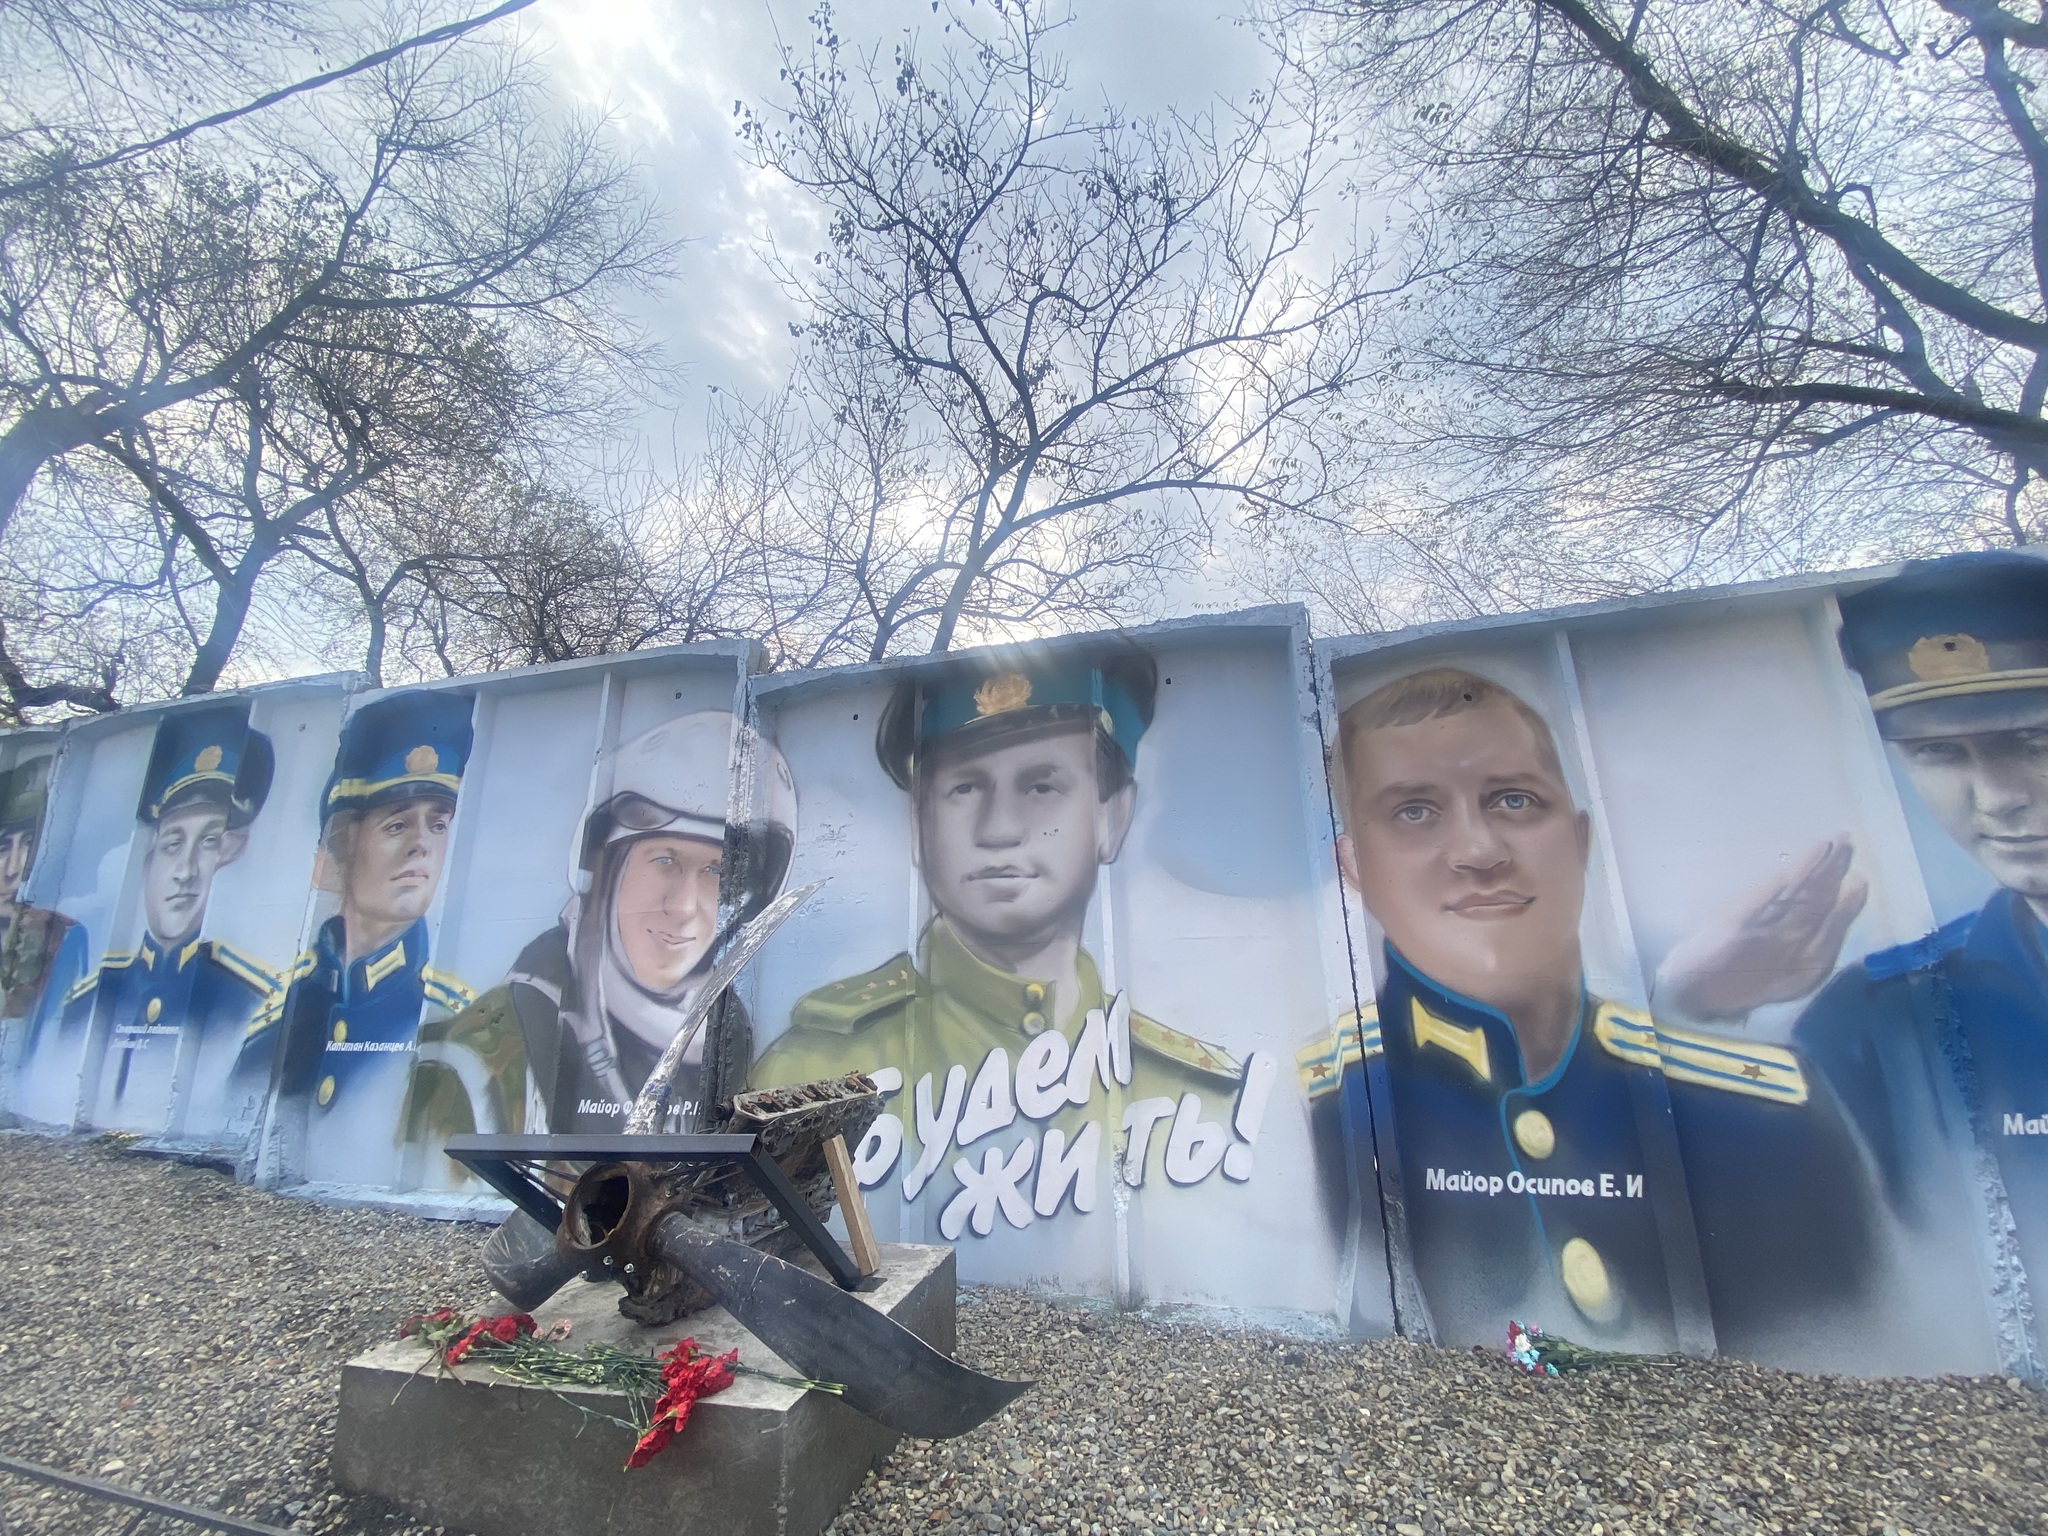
340	1024
1968	1003
149	997
1652	1176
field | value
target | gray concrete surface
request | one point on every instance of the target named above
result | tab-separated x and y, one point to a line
474	1452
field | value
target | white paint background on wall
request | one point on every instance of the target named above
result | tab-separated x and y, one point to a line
1726	757
521	812
1215	922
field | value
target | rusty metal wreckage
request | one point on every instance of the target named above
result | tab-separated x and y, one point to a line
688	1221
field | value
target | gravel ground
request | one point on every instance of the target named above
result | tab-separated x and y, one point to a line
173	1332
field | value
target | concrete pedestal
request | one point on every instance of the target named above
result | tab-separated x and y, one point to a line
485	1455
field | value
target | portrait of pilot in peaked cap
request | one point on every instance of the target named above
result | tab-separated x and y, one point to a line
345	1029
1952	655
209	774
1019	766
1547	1138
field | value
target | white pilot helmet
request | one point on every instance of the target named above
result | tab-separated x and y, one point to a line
678	777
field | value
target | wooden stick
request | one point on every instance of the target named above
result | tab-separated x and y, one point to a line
860	1236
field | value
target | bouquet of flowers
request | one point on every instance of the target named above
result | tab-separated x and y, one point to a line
659	1389
1545	1354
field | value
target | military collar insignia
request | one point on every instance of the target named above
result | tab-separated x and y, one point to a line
377	967
1468	1044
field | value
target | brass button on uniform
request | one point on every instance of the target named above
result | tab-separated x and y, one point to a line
1585	1279
326	1093
1034	992
340	1030
153	1010
1034	1022
1534	1133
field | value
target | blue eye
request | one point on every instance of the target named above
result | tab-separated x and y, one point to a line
1515	800
1413	814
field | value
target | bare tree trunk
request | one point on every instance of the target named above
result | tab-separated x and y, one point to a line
231	601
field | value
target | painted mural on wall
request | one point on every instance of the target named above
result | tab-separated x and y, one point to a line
33	938
1669	974
1555	1152
1063	972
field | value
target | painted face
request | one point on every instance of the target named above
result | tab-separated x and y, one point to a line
17	848
187	850
1989	791
665	906
394	864
1465	846
1009	839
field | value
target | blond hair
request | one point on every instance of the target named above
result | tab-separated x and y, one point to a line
1431	695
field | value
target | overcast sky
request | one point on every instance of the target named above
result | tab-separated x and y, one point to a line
671	70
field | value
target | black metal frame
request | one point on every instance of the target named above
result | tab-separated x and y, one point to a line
500	1161
143	1505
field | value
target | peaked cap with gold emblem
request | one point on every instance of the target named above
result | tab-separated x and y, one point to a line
25	794
978	702
401	747
1953	646
207	756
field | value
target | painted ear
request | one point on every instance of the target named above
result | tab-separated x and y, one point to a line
1585	830
1347	861
327	871
1113	823
233	844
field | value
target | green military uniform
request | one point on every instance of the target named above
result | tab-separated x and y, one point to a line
948	1008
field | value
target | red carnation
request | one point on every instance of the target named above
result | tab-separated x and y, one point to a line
686	1376
420	1322
500	1330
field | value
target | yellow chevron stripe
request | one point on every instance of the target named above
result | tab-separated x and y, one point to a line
258	975
454	986
1321	1063
1701	1057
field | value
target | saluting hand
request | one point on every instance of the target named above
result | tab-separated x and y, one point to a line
1776	947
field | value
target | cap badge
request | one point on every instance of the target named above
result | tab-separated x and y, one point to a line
207	760
422	760
1938	658
1002	693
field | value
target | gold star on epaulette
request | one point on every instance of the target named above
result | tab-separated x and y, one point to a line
857	1001
1183	1048
1322	1062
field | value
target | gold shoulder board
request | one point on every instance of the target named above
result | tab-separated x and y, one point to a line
446	990
1628	1034
856	1002
268	1012
245	967
1185	1049
1702	1057
1738	1066
1322	1062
